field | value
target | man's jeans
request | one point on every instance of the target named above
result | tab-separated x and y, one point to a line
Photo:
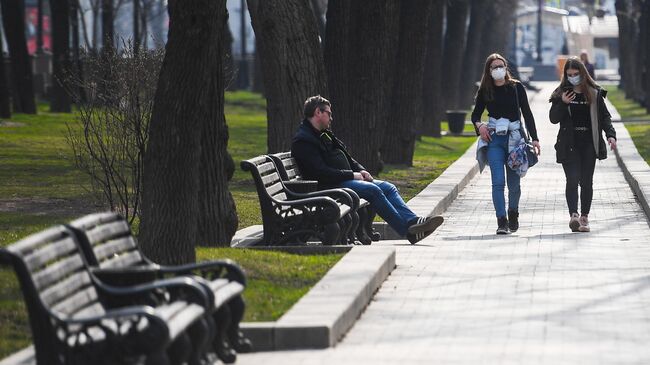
385	199
497	154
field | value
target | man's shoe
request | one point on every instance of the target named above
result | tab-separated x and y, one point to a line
513	220
584	224
422	227
417	237
503	225
425	224
574	222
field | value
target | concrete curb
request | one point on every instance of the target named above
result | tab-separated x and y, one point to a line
441	192
330	308
635	168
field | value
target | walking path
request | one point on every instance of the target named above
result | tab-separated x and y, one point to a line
543	295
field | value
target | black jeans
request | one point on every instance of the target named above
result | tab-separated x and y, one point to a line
579	170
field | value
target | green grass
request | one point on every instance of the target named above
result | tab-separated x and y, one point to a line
40	187
640	133
276	280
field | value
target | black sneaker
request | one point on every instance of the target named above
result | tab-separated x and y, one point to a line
513	220
422	227
503	225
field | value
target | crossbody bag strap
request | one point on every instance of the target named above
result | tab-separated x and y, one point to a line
519	113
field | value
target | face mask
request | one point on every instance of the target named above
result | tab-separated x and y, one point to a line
574	80
498	73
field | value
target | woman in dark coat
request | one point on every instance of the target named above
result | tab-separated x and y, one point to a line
578	105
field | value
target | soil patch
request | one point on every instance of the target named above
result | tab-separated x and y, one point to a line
49	206
6	123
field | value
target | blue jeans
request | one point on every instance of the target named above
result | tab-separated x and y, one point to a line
497	155
385	199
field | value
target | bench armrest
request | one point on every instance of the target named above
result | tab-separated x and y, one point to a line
178	287
211	269
301	186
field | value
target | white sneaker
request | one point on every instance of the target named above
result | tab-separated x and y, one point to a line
574	222
584	224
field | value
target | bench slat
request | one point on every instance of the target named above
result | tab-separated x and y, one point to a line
275	188
57	272
40	257
108	231
65	288
33	242
82	298
125	260
265	167
270	179
114	247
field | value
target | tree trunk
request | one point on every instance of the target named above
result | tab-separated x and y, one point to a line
406	101
457	12
61	67
472	60
646	73
292	62
361	48
624	35
108	30
432	110
136	25
5	108
188	105
13	17
642	52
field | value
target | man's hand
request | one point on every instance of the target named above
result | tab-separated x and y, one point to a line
358	176
612	143
366	175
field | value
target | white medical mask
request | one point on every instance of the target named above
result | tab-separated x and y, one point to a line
574	80
498	73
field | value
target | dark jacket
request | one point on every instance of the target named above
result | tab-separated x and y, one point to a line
560	113
313	156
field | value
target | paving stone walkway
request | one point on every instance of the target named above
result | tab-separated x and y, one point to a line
543	295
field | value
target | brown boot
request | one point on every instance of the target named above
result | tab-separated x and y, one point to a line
574	222
584	224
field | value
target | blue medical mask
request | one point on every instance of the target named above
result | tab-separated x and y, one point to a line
574	80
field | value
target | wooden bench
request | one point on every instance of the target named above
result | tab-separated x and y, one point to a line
112	251
294	218
289	172
77	319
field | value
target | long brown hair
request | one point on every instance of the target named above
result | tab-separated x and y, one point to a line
487	82
575	63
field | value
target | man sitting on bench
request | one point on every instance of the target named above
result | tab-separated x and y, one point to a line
324	158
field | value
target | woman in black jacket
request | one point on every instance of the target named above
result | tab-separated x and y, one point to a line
578	104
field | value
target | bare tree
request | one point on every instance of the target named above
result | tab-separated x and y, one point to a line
406	101
432	106
188	104
292	61
13	18
109	137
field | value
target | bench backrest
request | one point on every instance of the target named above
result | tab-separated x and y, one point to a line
287	166
107	241
55	283
267	180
